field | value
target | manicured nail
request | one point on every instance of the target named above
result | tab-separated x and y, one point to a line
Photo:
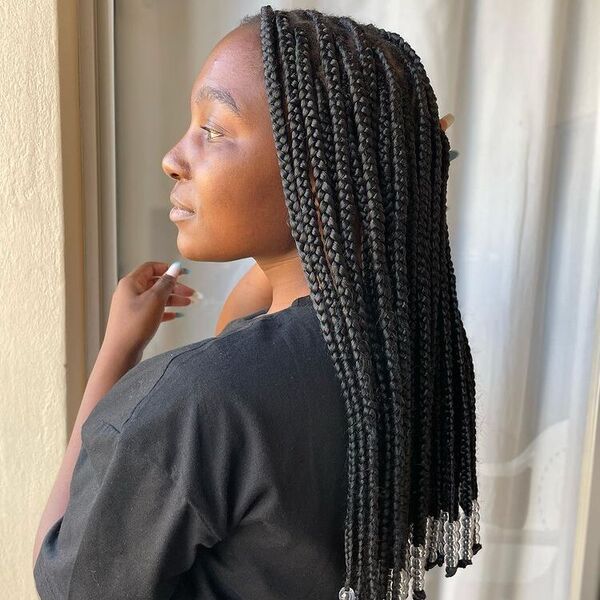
449	118
174	269
185	270
177	315
196	296
453	154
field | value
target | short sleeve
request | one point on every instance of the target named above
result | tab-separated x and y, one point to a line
129	529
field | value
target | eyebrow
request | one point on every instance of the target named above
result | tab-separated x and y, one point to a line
218	94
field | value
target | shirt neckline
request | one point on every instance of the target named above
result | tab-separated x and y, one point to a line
302	300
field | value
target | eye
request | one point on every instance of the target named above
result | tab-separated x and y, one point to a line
211	133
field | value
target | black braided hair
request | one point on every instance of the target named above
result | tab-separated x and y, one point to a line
364	165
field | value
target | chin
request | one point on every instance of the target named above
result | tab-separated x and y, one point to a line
192	248
193	251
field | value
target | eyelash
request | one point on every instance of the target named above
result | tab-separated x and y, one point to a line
210	132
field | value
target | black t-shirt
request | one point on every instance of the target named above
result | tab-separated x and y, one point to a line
214	471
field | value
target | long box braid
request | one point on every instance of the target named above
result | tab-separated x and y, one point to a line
364	165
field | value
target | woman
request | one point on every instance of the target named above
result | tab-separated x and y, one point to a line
326	435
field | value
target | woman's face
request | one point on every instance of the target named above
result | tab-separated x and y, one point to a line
226	165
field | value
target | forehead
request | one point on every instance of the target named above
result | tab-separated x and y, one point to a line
232	74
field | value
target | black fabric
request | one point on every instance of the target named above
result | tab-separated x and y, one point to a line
212	471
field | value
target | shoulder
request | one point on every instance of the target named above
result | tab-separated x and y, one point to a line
209	376
172	411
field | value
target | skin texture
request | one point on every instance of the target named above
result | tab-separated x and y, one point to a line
230	177
251	293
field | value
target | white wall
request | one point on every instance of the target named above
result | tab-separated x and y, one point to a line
40	307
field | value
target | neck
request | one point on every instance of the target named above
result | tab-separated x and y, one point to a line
286	277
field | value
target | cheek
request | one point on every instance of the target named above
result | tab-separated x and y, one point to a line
239	203
240	186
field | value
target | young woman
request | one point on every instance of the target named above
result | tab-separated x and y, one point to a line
325	436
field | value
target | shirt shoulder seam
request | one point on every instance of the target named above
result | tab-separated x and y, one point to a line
164	473
166	367
159	467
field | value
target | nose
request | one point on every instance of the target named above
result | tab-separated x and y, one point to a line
172	166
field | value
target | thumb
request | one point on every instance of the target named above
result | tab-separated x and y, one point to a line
165	283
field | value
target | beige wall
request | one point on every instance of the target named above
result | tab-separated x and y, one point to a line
39	186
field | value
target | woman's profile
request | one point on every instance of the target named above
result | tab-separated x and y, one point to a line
322	444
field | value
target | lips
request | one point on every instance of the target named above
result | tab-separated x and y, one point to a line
177	204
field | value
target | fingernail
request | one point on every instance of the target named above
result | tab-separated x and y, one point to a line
196	296
177	315
185	270
174	269
453	154
449	118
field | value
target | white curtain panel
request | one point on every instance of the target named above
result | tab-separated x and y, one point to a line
522	79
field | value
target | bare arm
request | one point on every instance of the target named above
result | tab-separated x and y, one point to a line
252	292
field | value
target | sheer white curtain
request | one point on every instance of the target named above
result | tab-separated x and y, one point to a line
522	79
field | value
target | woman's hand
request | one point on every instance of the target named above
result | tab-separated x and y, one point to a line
446	121
138	306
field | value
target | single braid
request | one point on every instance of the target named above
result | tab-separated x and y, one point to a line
364	166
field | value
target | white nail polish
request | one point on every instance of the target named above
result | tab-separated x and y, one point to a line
174	269
196	296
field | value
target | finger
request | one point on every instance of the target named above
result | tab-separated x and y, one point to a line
183	290
164	285
174	300
170	316
180	288
446	121
162	288
148	269
147	273
173	270
143	275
